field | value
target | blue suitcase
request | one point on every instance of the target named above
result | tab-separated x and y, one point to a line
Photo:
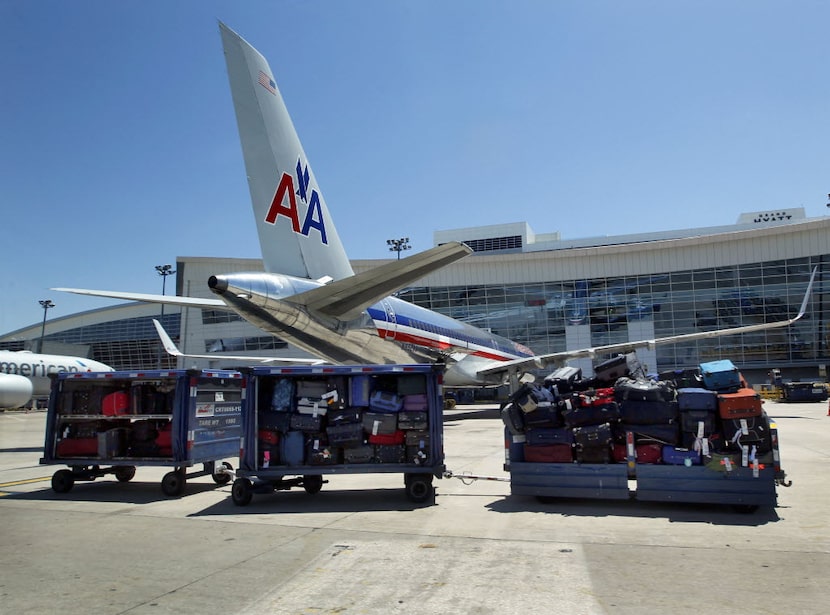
637	412
721	376
359	388
697	399
383	401
292	448
560	435
679	456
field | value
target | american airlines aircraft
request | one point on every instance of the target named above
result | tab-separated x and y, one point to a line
24	374
309	295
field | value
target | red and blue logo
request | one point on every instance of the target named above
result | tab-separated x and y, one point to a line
284	203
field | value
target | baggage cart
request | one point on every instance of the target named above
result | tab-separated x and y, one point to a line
354	436
101	423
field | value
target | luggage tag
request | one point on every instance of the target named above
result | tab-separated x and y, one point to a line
316	445
375	427
727	462
705	446
744	428
331	397
700	427
266	459
745	455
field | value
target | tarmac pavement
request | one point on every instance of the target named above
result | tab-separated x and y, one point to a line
360	547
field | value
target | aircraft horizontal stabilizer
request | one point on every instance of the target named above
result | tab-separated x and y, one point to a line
559	358
195	302
173	350
345	299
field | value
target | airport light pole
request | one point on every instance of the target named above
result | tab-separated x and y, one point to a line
163	271
45	304
398	245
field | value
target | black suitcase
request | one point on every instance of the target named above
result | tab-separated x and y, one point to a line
545	415
305	422
593	455
277	421
616	367
682	378
752	431
390	453
690	421
593	436
591	415
648	412
347	434
358	454
513	418
409	419
644	390
664	434
559	435
349	415
563	380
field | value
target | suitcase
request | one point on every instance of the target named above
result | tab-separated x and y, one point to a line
146	448
344	417
751	431
616	367
697	399
593	455
359	388
347	434
269	454
682	378
116	403
398	437
594	397
383	401
563	380
558	435
305	422
744	403
268	436
358	454
593	436
282	399
545	415
415	403
319	454
312	406
417	438
77	447
643	453
513	418
723	462
635	412
378	423
311	388
548	453
680	456
412	420
720	376
292	448
592	415
644	390
390	453
278	421
146	399
690	422
662	434
144	431
412	384
529	396
165	437
419	455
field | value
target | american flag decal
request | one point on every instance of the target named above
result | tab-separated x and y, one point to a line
268	83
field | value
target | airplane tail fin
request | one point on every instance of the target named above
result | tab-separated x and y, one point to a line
296	233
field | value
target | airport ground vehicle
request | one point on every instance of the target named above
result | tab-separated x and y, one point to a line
304	423
101	423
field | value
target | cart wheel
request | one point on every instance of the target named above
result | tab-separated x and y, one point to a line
124	474
173	483
418	487
223	478
312	484
242	492
62	481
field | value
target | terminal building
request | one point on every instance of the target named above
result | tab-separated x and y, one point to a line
546	292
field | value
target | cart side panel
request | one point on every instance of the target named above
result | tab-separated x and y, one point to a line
570	480
698	484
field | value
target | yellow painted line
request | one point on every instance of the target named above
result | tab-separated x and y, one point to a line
24	482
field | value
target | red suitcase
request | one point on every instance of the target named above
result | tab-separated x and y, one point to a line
116	403
643	453
398	437
742	404
549	453
78	447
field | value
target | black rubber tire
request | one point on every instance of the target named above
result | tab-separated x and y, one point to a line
242	492
63	481
124	474
223	478
172	484
312	483
419	487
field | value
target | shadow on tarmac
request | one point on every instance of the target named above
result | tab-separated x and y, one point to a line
675	512
110	490
297	501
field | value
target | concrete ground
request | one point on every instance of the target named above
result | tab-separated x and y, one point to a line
360	547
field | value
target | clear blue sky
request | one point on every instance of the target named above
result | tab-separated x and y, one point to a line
120	151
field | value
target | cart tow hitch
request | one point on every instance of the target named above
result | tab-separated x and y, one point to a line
469	479
781	479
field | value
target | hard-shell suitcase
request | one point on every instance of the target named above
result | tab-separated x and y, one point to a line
342	417
380	423
720	375
412	420
593	436
513	418
282	398
292	448
548	453
384	401
268	436
358	454
555	435
165	437
643	453
563	380
359	390
627	389
697	399
397	437
591	415
77	447
345	434
305	422
414	403
616	367
594	397
545	415
744	403
680	456
385	453
115	404
635	412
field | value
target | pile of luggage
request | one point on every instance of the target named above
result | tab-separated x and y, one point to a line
705	416
331	421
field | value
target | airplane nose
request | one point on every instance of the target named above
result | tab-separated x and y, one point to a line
217	285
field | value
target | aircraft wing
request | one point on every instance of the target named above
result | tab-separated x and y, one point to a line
559	358
345	299
173	350
195	302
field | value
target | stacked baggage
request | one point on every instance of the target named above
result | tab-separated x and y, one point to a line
713	418
319	421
